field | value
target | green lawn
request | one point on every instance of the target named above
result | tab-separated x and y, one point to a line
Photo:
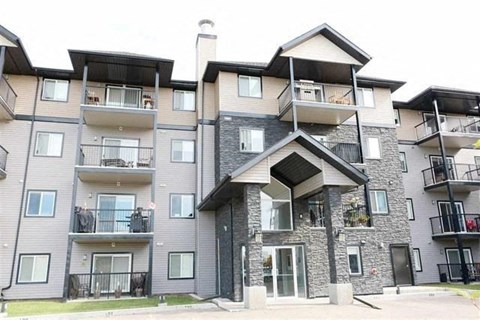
39	307
475	286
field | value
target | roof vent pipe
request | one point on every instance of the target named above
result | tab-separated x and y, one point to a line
206	26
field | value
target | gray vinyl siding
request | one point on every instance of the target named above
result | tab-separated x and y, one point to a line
141	192
206	262
90	132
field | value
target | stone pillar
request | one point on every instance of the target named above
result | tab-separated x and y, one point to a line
340	288
255	293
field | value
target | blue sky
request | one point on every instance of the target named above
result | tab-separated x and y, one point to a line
421	42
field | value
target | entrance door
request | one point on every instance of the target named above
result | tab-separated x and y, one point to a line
284	271
437	169
120	152
445	212
114	212
402	270
430	123
454	265
111	271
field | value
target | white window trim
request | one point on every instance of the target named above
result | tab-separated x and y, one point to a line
42	192
402	166
172	195
409	203
56	81
359	257
181	254
35	256
369	156
251	129
417	259
37	154
249	93
182	108
376	202
183	153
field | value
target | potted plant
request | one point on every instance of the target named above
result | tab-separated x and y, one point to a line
97	291
118	291
363	220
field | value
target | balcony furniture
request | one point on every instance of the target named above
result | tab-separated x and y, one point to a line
339	99
116	163
74	286
471	225
92	98
85	220
143	163
147	102
137	222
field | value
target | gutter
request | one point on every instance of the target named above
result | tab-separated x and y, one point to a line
25	175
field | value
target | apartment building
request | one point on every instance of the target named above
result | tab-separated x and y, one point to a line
256	181
437	131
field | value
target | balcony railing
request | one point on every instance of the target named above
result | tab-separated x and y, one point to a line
96	285
349	152
316	92
119	97
468	223
116	156
3	158
453	271
448	124
111	221
7	95
458	172
356	216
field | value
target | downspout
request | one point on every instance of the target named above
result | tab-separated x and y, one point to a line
24	185
203	140
232	253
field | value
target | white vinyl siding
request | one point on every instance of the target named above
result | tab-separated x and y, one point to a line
55	90
180	265
373	148
33	268
251	140
249	86
378	201
40	203
49	144
183	151
354	260
365	97
184	100
182	206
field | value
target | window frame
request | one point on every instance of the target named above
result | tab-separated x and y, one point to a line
43	98
251	129
386	201
170	269
418	266
35	154
360	262
407	201
290	201
29	191
182	140
249	77
396	117
404	170
171	205
184	91
362	90
22	255
368	155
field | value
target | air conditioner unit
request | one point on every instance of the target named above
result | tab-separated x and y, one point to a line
307	90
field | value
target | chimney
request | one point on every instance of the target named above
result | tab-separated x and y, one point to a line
206	46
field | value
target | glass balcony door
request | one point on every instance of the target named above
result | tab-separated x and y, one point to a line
114	212
112	271
120	152
453	259
123	97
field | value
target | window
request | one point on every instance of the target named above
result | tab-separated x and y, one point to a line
55	90
417	260
373	148
251	140
396	117
317	216
249	86
183	151
49	144
180	265
365	97
40	203
184	100
354	261
182	206
33	268
403	162
378	201
276	207
410	213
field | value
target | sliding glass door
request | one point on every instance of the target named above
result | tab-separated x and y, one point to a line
114	212
111	272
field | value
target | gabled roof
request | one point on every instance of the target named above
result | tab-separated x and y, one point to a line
16	60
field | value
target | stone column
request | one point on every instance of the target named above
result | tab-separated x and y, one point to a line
340	288
255	293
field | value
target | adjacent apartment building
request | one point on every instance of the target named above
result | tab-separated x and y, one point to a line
256	181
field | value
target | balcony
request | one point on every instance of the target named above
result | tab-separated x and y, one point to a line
461	177
317	103
453	271
349	152
443	226
457	132
356	216
93	225
107	285
3	162
116	164
118	106
8	98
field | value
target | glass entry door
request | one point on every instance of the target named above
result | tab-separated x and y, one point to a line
445	211
284	271
114	212
454	265
111	271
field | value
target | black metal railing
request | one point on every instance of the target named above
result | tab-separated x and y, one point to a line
453	271
111	221
116	156
348	151
96	285
119	97
447	124
457	171
356	216
7	94
445	223
3	158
